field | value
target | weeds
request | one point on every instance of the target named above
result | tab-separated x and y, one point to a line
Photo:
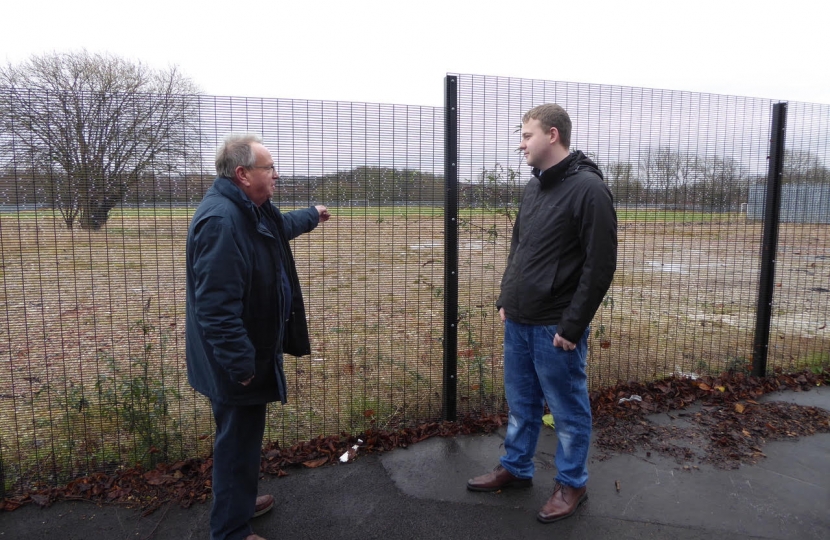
817	362
736	364
142	400
125	417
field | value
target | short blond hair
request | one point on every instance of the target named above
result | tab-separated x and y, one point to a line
552	115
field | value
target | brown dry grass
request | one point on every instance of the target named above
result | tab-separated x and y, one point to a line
683	300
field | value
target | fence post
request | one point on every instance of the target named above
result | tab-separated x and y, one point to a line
772	213
450	341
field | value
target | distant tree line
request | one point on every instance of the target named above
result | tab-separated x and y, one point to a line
359	186
83	133
666	176
662	177
364	185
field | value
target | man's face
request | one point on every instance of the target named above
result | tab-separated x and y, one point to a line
536	144
262	176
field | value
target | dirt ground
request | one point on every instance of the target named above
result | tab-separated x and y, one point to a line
82	310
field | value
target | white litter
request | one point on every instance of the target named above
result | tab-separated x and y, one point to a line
350	454
634	397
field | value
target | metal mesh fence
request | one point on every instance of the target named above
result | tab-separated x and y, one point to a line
680	166
92	325
799	336
92	322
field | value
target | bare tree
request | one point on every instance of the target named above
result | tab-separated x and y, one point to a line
623	182
804	167
723	183
93	124
668	172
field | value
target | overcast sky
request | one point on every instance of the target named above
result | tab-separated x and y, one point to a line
398	51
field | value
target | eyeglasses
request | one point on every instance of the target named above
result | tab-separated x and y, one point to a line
272	168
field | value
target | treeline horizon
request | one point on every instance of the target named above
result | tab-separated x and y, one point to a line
661	177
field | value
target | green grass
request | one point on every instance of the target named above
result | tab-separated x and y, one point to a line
816	361
49	213
635	215
383	211
346	211
675	216
152	212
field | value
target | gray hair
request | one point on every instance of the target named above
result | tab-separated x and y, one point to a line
235	152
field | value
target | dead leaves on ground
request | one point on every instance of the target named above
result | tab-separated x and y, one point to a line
189	481
677	393
730	430
185	481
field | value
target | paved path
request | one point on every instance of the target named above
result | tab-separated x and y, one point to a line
420	492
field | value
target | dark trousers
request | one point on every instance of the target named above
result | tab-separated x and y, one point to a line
236	460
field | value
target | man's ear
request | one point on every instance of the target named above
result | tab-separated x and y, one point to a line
554	135
242	176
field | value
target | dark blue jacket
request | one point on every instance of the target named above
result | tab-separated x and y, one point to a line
235	298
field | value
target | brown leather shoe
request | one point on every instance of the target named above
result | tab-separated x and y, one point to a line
496	480
563	503
264	503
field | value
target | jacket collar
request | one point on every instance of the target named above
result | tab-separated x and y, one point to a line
557	173
576	161
226	188
229	190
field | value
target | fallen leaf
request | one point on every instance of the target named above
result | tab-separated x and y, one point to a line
40	500
161	480
314	463
739	408
10	505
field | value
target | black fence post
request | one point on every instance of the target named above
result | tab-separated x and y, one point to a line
450	247
772	213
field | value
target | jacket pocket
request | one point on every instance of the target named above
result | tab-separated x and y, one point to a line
554	273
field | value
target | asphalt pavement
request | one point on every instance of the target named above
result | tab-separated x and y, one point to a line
420	493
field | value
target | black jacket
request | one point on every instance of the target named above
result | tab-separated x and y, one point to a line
235	298
563	252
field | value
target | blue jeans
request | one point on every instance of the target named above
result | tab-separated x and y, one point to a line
236	461
534	372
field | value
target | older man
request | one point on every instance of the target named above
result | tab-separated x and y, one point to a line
244	310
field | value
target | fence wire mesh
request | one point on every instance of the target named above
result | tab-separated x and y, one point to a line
92	322
680	166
